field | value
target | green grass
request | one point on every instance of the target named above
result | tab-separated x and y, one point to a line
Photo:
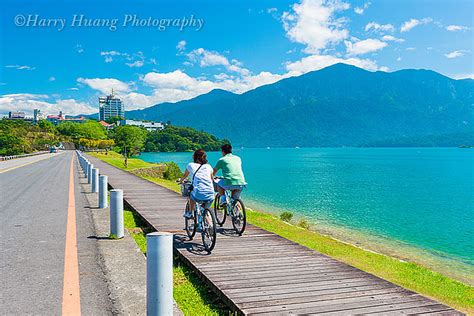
117	160
408	275
191	295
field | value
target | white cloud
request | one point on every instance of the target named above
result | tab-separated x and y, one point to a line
312	23
272	10
360	10
390	38
105	85
365	46
464	76
79	48
456	53
52	78
207	58
108	56
134	60
137	63
181	47
27	102
379	27
316	62
410	48
74	89
454	28
19	67
408	25
399	59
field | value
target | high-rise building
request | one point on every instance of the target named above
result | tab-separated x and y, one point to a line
110	106
37	115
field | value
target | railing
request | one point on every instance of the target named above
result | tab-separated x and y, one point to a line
2	158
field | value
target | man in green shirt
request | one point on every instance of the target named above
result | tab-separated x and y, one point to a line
231	167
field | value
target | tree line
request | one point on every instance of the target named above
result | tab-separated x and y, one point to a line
19	137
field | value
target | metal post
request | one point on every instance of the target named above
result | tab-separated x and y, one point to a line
103	191
116	213
89	173
159	274
86	169
95	180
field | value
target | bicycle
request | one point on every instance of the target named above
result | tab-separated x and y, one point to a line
234	208
202	219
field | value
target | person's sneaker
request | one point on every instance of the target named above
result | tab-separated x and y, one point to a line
188	215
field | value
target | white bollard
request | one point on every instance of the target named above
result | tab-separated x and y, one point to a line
89	173
103	191
86	169
159	274
95	180
116	213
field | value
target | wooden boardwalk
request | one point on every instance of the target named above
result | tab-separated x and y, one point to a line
263	273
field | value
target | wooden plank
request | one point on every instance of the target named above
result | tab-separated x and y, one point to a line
419	309
342	305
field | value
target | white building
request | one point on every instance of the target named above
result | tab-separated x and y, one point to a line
150	126
110	106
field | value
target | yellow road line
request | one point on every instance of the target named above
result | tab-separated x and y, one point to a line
25	164
71	304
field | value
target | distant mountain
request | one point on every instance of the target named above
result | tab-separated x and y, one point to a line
340	105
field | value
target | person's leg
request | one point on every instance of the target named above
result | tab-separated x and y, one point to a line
192	206
221	190
236	193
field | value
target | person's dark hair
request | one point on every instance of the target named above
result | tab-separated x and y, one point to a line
200	157
226	148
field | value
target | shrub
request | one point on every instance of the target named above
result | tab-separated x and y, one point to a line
286	216
172	171
303	223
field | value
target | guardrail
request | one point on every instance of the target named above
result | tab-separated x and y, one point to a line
3	158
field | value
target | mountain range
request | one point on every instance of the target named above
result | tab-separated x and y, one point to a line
340	105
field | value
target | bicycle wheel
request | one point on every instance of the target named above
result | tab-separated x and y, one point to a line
219	212
239	217
208	229
190	224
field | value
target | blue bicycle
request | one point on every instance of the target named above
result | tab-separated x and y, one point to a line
234	207
202	219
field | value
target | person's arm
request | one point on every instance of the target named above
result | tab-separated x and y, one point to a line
216	168
185	175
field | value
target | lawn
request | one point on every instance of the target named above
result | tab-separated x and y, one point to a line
117	160
408	275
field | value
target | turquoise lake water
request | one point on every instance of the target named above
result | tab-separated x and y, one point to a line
422	197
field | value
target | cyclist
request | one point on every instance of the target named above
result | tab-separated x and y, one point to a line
233	176
200	173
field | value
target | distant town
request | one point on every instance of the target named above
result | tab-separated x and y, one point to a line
111	113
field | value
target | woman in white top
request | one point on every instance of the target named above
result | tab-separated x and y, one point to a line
200	173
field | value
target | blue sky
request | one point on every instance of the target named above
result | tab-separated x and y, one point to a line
54	59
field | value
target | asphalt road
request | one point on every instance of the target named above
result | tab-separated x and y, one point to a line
33	211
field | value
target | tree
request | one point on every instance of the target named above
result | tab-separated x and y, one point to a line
114	119
46	126
130	139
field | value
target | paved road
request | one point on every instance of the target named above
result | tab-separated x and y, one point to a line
9	165
33	210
